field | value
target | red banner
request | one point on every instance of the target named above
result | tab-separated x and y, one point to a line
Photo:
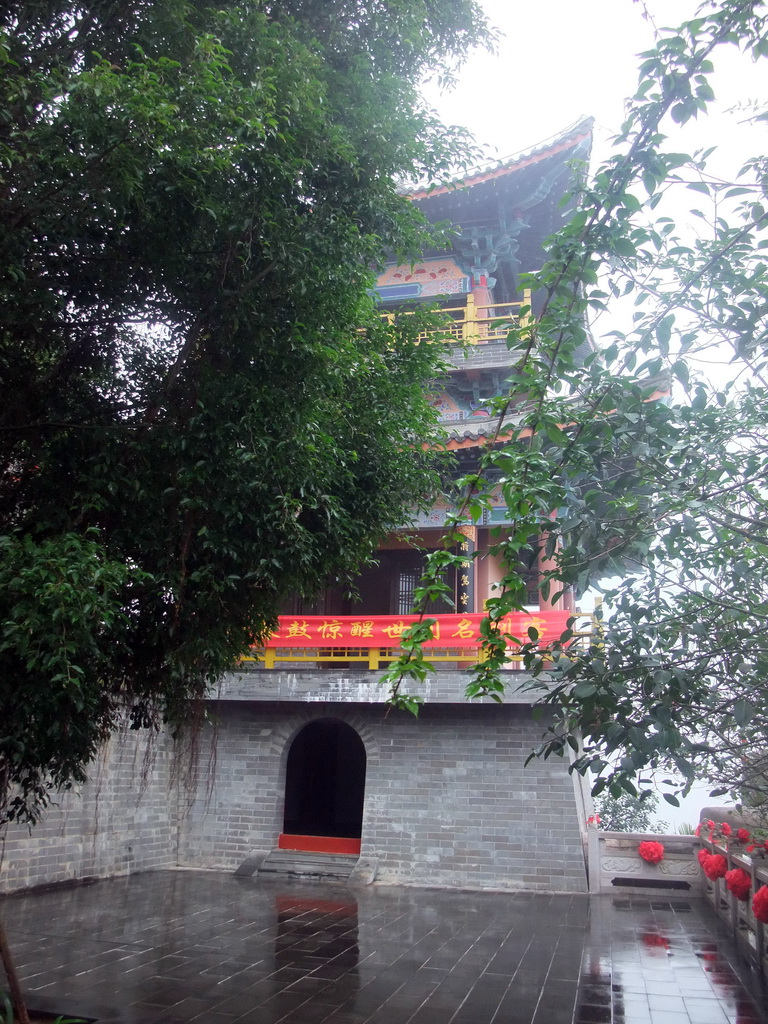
385	630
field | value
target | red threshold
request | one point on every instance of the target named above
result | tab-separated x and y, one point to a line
317	844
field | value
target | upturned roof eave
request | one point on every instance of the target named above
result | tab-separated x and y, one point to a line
571	137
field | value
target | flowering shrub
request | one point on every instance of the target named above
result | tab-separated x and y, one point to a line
715	866
721	832
739	883
760	904
651	852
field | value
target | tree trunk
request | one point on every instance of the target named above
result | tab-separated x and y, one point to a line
17	999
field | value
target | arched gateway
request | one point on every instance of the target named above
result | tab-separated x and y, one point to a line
324	789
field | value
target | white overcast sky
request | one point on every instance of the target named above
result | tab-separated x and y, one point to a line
562	59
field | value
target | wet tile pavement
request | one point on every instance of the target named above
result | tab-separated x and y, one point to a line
176	947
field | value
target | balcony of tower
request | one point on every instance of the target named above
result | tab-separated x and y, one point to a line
477	334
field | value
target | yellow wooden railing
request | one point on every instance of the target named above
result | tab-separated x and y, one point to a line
477	325
371	657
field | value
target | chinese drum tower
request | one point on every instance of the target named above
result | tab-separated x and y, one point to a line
309	771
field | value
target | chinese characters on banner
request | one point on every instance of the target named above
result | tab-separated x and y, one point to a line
386	630
465	581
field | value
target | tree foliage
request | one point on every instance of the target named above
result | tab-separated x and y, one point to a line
628	813
644	466
199	409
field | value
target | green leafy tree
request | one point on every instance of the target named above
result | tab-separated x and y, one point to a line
200	410
628	813
644	473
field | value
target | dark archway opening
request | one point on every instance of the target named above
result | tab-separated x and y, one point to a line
325	781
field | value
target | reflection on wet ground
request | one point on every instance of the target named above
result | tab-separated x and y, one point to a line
174	947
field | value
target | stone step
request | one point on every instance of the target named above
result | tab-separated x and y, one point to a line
301	864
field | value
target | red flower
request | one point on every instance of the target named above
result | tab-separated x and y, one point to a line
697	830
739	883
702	855
760	904
725	829
750	848
715	866
743	835
651	852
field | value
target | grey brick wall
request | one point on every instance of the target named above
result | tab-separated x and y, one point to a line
355	685
123	820
448	800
